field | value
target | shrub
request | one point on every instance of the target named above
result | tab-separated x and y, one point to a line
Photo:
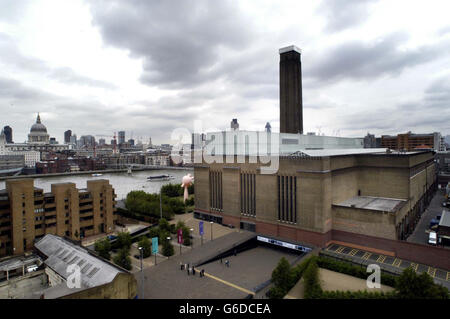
311	277
146	246
167	248
123	240
123	258
172	190
103	247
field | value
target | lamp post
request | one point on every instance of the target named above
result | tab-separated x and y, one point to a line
168	239
160	201
192	232
141	251
211	230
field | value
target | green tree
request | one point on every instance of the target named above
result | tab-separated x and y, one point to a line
124	240
172	190
146	246
410	285
164	225
167	248
103	247
123	258
282	277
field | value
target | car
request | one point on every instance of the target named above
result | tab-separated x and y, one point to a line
432	239
434	222
32	268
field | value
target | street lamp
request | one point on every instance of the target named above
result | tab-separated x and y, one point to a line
192	232
211	230
160	201
142	273
168	238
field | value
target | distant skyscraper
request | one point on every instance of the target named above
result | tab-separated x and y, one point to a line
73	139
131	142
268	127
67	135
8	134
234	124
121	137
101	141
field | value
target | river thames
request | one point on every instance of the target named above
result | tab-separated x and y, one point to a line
121	181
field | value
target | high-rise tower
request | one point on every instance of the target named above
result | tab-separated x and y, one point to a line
291	105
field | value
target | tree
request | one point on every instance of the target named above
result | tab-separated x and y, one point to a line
146	246
409	285
167	248
123	258
172	190
124	240
164	225
103	247
282	276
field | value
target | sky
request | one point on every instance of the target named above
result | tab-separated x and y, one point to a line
151	67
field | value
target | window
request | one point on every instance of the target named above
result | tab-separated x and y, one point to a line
287	198
248	194
215	190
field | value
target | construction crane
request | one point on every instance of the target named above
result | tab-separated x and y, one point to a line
114	139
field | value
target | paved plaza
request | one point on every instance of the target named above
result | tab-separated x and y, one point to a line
247	270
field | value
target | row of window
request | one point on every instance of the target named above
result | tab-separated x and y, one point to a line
215	190
286	195
287	198
248	194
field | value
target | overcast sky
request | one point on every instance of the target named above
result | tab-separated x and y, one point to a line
148	67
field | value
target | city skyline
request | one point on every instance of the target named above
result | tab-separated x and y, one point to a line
87	68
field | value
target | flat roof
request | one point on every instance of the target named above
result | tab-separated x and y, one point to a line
339	152
445	219
374	203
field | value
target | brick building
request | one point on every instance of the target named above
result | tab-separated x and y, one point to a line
411	142
27	213
317	193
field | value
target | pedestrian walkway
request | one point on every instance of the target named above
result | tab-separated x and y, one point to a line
387	263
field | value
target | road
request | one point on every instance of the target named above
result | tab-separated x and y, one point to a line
419	235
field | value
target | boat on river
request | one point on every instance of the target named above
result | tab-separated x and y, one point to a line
164	177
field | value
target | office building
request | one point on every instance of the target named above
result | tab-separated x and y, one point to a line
234	124
67	135
121	137
27	213
410	142
8	134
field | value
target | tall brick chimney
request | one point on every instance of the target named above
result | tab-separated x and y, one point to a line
291	104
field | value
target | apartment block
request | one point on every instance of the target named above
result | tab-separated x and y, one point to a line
27	213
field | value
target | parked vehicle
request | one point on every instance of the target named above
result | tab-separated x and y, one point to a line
432	239
434	222
32	268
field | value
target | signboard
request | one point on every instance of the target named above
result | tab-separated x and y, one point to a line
200	228
154	245
180	236
283	244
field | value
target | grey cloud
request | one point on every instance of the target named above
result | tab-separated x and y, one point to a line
179	41
11	56
344	14
12	10
359	61
14	91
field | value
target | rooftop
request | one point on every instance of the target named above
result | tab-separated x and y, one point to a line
445	219
61	253
374	203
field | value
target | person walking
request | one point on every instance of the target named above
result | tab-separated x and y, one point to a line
187	269
193	271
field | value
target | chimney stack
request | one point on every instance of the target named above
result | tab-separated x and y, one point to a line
291	104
